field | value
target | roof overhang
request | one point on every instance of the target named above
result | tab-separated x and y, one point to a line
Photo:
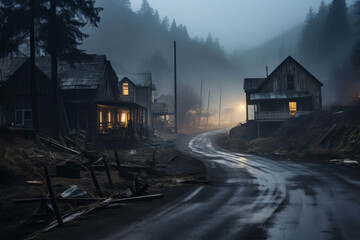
279	95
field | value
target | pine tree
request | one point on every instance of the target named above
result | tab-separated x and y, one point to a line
146	9
336	35
356	50
173	28
308	44
165	23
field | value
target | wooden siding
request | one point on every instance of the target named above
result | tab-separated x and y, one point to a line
132	91
17	96
108	89
277	82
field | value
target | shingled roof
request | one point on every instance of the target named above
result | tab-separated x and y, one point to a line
139	79
252	83
82	75
8	66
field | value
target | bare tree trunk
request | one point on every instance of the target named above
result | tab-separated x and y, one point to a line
35	116
54	64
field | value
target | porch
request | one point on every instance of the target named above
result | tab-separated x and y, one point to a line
277	115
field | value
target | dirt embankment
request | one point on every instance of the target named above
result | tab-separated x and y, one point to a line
331	134
23	158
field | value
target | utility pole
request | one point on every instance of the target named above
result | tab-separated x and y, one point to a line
208	110
220	106
201	88
200	108
34	109
175	90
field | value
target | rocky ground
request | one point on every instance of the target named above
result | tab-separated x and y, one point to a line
23	158
329	135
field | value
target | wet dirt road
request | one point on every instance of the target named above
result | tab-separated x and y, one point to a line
250	197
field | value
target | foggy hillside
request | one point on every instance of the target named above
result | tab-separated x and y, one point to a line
141	41
253	61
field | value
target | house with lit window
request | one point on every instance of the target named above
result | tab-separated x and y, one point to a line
89	98
138	88
289	91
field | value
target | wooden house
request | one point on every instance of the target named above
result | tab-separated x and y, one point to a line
138	88
289	91
89	92
15	95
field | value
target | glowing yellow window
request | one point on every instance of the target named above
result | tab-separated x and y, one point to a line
123	117
292	108
125	89
109	120
101	117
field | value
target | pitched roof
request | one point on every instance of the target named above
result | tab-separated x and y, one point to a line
159	107
8	66
82	75
290	58
252	83
139	79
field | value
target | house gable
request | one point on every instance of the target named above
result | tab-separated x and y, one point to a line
278	80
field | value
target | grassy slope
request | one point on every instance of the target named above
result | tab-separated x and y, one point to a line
306	137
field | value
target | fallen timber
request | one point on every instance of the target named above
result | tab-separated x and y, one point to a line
57	144
86	200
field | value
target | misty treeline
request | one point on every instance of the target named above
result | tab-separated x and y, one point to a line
330	44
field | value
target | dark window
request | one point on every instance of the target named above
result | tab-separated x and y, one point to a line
290	83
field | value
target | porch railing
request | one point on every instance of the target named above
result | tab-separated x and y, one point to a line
277	115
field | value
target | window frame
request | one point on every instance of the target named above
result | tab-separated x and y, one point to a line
290	81
125	87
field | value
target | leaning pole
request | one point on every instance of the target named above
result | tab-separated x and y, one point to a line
175	90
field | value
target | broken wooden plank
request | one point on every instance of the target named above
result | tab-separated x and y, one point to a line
53	142
96	182
137	198
107	171
67	200
52	197
70	200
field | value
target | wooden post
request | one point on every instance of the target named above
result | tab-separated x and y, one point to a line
137	186
201	88
154	159
96	183
34	107
175	90
208	110
220	106
107	171
52	198
118	163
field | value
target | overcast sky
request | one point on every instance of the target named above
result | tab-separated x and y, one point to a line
237	23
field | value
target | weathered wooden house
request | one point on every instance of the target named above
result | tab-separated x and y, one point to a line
160	115
15	95
289	91
138	88
90	94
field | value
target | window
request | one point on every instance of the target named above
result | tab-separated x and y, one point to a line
290	83
292	108
125	89
23	118
109	120
123	118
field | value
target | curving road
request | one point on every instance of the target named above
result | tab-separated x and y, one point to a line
251	197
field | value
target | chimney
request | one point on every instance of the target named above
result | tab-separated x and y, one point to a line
267	72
